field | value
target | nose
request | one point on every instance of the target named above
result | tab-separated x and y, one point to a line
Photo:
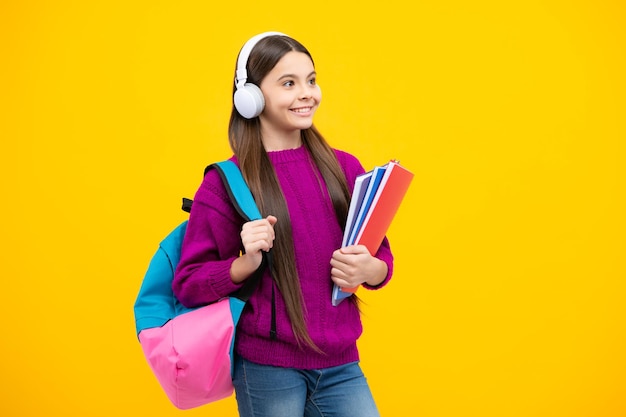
305	92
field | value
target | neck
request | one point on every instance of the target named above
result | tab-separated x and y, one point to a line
281	142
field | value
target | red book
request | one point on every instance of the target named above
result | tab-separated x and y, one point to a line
392	189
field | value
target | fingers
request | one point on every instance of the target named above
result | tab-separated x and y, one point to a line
342	271
349	266
354	249
342	279
258	235
345	276
351	255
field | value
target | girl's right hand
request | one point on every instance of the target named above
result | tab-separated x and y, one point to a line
256	236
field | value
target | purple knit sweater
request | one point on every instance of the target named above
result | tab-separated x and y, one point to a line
212	243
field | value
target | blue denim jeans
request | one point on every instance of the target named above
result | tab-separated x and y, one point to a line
267	391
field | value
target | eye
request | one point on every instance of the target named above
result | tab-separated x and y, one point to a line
312	81
288	83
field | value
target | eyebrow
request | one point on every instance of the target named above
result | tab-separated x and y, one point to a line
294	76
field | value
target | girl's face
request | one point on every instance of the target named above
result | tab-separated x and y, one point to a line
291	96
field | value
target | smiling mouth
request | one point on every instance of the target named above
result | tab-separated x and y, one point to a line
302	110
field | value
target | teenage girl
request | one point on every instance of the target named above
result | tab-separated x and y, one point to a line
296	353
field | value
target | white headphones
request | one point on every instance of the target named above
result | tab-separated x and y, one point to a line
248	98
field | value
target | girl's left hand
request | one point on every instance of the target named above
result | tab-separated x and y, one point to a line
354	265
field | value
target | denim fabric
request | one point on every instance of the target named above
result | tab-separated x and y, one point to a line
267	391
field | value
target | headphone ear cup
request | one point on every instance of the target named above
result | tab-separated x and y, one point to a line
249	101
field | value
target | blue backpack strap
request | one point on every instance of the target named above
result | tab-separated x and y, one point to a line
243	200
237	189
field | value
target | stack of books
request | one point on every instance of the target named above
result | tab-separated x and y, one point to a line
375	200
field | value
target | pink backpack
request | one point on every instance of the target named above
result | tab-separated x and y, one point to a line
190	350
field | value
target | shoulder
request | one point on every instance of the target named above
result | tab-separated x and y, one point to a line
212	193
350	165
346	159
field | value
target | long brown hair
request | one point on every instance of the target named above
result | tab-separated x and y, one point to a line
245	141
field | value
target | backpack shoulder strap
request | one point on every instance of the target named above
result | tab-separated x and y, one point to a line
237	189
243	201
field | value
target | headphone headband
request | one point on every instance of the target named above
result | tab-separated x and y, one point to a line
242	61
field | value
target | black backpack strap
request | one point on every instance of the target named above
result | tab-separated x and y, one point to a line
187	205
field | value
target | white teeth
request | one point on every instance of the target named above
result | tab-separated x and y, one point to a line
301	110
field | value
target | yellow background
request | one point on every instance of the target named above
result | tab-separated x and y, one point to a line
509	293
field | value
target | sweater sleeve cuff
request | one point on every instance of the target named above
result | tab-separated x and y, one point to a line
221	282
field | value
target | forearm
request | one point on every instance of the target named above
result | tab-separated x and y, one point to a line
203	283
243	267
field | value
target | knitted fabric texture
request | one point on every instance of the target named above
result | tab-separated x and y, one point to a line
212	243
